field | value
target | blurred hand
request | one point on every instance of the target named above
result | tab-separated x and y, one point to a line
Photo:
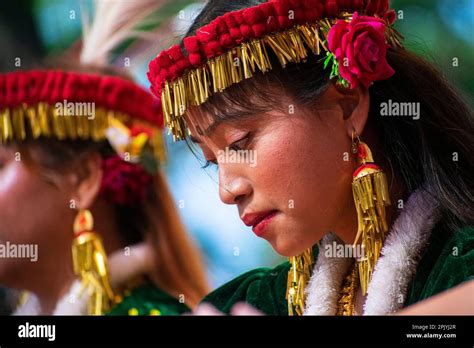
456	301
240	308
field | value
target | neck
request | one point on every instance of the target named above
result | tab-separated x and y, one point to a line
50	283
48	299
54	276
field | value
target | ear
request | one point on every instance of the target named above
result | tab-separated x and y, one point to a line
87	180
355	105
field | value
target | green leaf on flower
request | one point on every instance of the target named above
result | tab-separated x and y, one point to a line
327	60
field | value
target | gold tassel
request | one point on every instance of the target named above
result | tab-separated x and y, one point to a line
59	128
6	126
370	191
298	277
43	120
90	264
34	122
19	124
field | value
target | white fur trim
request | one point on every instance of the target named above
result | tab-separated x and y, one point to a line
30	307
400	255
393	272
74	302
323	288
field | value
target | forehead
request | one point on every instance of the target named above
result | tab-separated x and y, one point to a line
198	122
204	125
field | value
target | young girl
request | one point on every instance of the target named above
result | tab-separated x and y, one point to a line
364	171
81	188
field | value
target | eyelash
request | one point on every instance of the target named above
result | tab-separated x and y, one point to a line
234	146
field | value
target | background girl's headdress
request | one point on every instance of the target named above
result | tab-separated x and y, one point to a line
75	105
354	34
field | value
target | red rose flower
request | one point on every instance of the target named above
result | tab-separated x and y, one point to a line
138	129
123	183
360	49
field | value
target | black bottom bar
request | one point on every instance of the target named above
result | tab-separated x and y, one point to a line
193	330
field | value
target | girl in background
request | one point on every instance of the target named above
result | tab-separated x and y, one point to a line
81	151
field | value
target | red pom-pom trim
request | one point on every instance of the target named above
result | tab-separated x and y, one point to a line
233	28
52	86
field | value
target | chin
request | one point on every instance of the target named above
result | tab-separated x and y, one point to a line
295	243
286	248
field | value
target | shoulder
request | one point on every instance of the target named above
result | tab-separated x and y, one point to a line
263	288
447	262
149	300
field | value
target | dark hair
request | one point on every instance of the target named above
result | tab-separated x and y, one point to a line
418	151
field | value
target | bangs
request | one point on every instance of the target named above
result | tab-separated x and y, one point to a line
301	83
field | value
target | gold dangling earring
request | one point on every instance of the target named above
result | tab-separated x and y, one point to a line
90	264
298	276
370	191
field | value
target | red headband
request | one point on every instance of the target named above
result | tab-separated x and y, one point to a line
125	114
185	77
50	86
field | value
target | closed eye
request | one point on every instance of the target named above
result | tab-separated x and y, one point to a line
236	146
240	144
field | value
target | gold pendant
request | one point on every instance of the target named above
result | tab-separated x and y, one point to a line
298	277
345	304
371	196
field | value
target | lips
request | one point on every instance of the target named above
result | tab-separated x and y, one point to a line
259	221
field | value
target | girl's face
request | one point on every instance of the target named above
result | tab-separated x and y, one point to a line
34	215
288	173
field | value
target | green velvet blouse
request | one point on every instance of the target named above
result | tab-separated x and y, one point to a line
149	300
448	260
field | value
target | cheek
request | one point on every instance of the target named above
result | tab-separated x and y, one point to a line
302	164
31	210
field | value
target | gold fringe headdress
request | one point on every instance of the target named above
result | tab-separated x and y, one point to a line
232	47
77	106
69	105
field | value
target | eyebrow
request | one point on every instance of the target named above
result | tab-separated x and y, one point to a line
212	127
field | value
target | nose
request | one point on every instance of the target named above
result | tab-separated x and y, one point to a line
233	188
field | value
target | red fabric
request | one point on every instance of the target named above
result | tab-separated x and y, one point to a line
253	15
376	7
364	166
175	53
331	8
52	86
193	47
361	152
123	183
